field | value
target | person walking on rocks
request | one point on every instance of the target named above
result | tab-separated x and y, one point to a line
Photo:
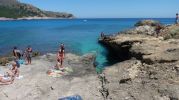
177	18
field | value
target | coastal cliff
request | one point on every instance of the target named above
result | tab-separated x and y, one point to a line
13	9
150	63
143	43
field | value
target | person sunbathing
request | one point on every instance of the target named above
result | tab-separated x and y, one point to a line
4	81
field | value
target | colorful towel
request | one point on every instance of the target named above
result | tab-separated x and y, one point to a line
60	72
21	61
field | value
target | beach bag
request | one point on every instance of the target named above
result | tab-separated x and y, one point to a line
75	97
21	61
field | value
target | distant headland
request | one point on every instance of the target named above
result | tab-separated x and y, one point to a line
15	10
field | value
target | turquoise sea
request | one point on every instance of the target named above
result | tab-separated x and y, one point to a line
80	36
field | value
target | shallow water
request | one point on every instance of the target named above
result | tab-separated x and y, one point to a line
79	35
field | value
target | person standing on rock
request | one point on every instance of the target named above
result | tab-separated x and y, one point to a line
177	18
61	56
102	34
158	28
16	53
28	54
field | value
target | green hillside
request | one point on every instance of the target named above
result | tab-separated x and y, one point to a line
15	9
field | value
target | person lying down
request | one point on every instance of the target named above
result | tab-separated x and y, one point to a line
6	81
10	75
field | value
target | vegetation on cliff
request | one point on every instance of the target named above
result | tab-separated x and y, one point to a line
15	9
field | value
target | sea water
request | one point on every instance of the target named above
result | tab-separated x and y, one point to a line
80	36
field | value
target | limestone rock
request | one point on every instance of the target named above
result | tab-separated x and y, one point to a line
147	22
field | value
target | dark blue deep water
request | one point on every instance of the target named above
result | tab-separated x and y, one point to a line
79	35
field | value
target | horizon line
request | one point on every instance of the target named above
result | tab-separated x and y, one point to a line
118	17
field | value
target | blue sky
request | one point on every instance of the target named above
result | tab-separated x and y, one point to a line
111	8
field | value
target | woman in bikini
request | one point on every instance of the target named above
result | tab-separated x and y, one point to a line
60	56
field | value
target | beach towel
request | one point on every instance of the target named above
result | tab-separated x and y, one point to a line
6	78
20	77
21	61
60	72
75	97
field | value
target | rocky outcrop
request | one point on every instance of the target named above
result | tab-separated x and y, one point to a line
149	27
148	49
147	22
149	67
146	29
169	32
134	80
142	45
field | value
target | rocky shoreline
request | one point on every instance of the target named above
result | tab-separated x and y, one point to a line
149	67
37	85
